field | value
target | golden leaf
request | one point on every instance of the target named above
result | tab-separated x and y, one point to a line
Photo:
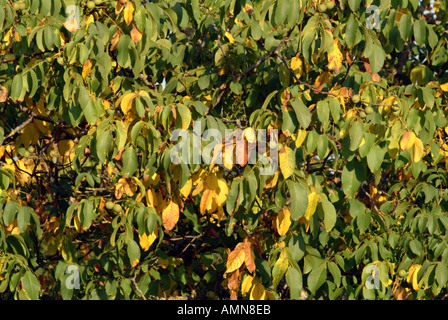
287	162
283	221
313	199
90	19
258	292
297	66
246	285
147	240
236	258
301	135
230	37
126	102
170	215
86	69
186	189
418	150
335	57
407	140
128	12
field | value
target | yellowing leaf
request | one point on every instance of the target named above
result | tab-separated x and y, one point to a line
221	192
297	65
258	292
126	102
206	201
287	162
301	135
444	87
136	35
313	199
246	285
89	20
407	140
283	221
418	150
86	69
249	256
186	189
335	57
272	182
147	240
230	37
235	258
135	262
170	215
128	12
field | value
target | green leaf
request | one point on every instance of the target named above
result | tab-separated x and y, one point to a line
330	215
9	212
350	30
420	32
356	134
31	285
352	176
130	161
299	199
317	278
302	113
133	251
294	281
375	158
405	26
416	247
376	59
16	86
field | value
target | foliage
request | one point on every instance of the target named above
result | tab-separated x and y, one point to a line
90	98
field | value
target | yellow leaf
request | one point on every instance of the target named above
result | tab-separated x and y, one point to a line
230	37
136	35
418	150
135	262
407	140
126	102
313	199
297	66
301	135
258	292
246	284
221	192
272	182
235	258
287	162
89	20
412	276
186	189
283	221
335	57
86	69
147	240
128	12
170	215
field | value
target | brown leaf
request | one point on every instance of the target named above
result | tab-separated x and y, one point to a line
136	35
249	256
3	94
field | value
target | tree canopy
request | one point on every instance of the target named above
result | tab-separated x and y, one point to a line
345	100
